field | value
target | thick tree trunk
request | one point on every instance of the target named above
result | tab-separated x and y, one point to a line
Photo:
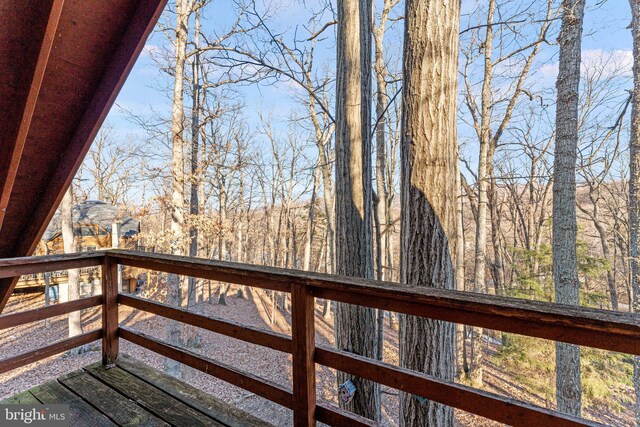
565	271
69	242
428	191
355	325
634	188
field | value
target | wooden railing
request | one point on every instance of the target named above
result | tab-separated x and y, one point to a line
15	267
607	330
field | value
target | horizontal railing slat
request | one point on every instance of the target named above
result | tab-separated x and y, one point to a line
479	402
50	350
334	416
14	267
16	319
249	382
231	329
201	268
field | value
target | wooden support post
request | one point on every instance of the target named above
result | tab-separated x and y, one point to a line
109	311
304	373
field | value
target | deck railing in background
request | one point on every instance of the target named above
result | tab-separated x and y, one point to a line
15	267
607	330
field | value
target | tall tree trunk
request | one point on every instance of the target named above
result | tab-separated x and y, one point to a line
382	101
428	190
308	244
484	170
178	242
355	325
240	254
378	267
327	188
69	242
194	177
497	243
606	253
382	197
634	188
222	236
565	271
461	354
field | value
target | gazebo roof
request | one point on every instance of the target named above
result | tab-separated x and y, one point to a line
94	212
62	64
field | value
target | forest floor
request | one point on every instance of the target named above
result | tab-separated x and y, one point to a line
254	310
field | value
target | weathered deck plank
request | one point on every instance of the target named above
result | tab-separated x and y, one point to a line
190	395
160	403
123	411
81	413
133	394
23	398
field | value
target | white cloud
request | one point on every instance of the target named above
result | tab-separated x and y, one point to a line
610	63
607	63
549	70
150	49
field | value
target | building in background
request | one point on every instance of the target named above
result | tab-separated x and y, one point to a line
93	225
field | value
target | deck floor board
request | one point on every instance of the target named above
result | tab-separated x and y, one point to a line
132	394
23	398
81	413
192	396
157	401
120	409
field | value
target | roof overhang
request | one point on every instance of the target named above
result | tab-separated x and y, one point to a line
62	64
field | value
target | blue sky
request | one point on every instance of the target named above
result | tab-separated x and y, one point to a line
147	90
605	28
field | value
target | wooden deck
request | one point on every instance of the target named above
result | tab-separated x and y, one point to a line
132	394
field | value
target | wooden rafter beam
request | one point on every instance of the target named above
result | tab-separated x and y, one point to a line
30	105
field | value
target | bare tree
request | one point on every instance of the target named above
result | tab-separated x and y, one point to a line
195	176
496	105
112	170
69	241
600	150
428	191
178	241
355	325
565	268
634	188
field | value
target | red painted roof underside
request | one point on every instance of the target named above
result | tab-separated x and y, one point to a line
62	63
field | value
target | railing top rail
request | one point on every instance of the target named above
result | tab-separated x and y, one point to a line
611	330
14	267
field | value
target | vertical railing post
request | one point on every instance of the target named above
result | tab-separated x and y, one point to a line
304	372
109	311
